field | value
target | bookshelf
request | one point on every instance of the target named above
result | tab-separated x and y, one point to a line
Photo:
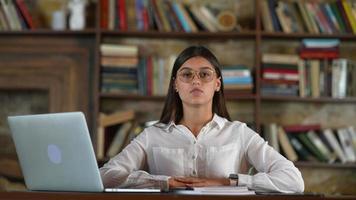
245	107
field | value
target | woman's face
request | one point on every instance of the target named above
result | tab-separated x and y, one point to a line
197	82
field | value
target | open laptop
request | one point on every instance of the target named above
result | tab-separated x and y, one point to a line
56	153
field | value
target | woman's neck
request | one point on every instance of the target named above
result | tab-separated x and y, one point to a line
195	118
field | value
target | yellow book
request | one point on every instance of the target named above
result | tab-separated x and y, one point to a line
350	17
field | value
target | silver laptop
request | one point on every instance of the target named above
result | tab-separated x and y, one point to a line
56	153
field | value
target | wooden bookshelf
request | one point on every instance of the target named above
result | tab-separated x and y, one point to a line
256	36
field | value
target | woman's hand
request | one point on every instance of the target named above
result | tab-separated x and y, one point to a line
197	182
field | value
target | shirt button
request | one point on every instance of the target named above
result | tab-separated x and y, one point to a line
194	172
193	157
194	142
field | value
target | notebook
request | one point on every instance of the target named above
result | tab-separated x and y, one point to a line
56	154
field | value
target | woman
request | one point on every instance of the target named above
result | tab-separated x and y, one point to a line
196	144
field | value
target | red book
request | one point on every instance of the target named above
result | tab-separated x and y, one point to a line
280	71
301	127
319	55
322	17
104	12
122	15
146	23
25	13
303	48
279	81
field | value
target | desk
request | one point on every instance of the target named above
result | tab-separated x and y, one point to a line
143	196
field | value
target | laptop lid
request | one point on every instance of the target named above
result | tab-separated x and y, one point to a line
55	152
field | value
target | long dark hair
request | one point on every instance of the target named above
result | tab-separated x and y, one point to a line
173	107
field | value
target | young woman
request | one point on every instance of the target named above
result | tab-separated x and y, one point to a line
195	143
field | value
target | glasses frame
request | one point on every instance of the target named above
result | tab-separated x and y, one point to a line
196	73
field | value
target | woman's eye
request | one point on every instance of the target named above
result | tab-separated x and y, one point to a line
204	74
187	75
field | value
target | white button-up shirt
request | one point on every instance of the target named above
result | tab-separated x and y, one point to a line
221	148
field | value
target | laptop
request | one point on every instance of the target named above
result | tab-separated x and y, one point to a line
56	154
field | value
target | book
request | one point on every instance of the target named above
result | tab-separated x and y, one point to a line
271	135
311	147
286	145
115	118
339	78
352	133
267	18
319	144
25	13
303	154
100	142
119	139
329	135
346	144
301	127
119	50
280	58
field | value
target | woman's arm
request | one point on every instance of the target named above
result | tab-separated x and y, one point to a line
275	172
127	168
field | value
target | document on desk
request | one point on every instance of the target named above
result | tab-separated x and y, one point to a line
218	190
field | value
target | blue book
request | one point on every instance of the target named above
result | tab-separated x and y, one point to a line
320	43
275	22
237	80
181	17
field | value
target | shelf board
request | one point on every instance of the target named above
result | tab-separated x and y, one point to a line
158	34
309	99
49	32
324	165
131	97
278	35
162	98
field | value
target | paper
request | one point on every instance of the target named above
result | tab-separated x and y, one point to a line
218	190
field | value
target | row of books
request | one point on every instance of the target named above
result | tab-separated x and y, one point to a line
338	16
311	143
124	71
316	72
15	15
309	78
119	68
164	15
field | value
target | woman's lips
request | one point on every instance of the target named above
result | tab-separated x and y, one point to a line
196	91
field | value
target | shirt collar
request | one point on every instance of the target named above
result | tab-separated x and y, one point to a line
219	121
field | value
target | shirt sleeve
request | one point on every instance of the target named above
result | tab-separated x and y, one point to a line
275	172
127	168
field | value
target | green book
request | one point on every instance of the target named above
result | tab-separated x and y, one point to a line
311	147
337	14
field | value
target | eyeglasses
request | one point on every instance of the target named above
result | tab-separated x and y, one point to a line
187	75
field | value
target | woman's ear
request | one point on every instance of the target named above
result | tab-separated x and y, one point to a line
175	86
218	84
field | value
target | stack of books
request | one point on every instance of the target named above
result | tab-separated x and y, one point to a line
237	79
280	74
319	49
119	68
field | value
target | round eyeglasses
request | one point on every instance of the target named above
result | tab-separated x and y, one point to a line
187	75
